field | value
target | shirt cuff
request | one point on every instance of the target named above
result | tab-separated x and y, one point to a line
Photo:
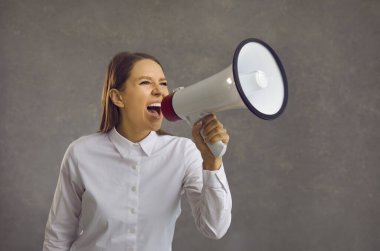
215	179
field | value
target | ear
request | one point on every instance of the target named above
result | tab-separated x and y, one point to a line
116	98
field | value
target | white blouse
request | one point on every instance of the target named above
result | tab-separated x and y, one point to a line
113	194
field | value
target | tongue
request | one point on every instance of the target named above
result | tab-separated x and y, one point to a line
155	113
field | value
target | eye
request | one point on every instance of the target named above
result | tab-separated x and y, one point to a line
145	83
164	84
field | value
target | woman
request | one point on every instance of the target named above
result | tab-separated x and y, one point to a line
120	188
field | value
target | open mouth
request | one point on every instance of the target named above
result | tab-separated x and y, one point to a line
155	109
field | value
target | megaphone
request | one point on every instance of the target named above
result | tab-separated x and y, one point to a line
255	80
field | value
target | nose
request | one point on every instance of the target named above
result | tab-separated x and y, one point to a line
157	90
160	90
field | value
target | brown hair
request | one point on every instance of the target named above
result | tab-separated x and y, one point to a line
118	73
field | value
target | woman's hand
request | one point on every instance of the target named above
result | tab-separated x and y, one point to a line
213	131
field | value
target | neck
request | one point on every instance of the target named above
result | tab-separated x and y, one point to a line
132	134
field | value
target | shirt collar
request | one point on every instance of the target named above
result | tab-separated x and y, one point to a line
124	146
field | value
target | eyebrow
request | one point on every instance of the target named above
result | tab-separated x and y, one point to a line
147	77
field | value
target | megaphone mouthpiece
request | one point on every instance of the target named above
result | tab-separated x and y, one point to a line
167	108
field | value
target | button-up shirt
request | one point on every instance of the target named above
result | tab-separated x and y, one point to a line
113	194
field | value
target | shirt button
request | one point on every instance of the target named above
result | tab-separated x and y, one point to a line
133	189
133	211
130	249
134	167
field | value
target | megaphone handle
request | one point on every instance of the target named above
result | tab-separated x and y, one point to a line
218	149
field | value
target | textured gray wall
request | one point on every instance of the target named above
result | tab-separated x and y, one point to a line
309	180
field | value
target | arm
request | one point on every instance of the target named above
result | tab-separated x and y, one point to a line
207	190
62	225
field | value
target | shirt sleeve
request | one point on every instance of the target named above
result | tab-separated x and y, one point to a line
208	194
62	225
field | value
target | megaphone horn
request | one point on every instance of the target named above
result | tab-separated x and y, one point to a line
255	80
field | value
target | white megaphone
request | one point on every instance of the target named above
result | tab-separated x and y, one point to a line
255	80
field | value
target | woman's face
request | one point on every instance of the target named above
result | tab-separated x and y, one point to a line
142	96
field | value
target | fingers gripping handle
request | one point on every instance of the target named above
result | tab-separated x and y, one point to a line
218	149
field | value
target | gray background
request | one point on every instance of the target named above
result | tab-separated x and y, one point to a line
309	180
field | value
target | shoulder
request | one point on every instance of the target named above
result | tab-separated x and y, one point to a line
176	145
169	140
87	143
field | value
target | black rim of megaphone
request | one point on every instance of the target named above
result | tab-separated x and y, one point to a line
240	89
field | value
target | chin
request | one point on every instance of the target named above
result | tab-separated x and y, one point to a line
155	127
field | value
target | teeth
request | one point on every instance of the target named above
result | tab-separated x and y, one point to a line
155	105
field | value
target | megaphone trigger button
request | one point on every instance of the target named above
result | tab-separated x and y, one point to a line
199	123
